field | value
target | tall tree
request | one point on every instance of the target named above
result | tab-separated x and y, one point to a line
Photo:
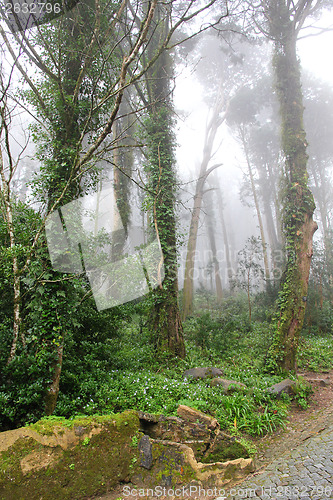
284	21
253	115
224	233
76	104
266	157
215	121
211	230
244	141
165	322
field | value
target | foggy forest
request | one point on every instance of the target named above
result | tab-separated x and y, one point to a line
166	210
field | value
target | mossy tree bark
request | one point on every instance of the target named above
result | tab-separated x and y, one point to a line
164	320
298	224
66	137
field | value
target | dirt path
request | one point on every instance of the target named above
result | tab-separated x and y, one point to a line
302	424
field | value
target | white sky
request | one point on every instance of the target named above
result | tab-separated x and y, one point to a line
315	53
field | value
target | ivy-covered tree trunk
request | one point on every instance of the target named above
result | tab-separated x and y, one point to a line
298	225
123	159
51	396
60	179
164	321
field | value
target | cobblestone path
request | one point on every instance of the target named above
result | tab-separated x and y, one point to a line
303	473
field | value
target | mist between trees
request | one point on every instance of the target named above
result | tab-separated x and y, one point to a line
87	105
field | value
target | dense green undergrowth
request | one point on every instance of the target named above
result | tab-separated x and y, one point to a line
214	337
104	373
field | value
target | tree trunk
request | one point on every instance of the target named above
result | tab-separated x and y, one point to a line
248	289
51	396
190	254
66	137
211	236
322	202
5	188
123	159
121	210
257	207
268	193
164	319
299	206
211	130
275	199
225	238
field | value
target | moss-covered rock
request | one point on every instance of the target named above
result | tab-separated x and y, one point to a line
80	458
88	456
225	448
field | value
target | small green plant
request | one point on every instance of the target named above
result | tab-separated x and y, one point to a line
135	441
72	466
133	462
251	447
86	441
303	391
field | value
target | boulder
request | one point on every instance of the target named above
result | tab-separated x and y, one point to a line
175	465
195	416
68	459
90	456
196	426
148	417
322	382
146	452
191	427
228	385
285	386
203	372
